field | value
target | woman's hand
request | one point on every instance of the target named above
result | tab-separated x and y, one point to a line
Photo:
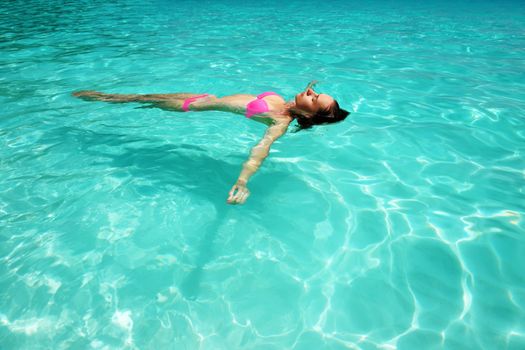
239	193
311	85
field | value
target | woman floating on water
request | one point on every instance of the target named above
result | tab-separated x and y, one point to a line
308	107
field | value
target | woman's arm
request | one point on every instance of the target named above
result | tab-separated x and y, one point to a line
239	192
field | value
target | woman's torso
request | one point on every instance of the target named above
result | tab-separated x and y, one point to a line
254	108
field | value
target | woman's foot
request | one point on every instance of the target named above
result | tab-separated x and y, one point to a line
91	95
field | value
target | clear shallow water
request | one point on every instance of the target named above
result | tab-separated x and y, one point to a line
400	228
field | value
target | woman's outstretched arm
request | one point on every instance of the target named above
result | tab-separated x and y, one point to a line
239	192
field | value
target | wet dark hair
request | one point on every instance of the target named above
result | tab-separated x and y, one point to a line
333	114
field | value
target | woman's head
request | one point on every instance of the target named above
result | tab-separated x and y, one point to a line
311	108
311	102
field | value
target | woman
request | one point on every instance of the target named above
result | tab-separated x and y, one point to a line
308	107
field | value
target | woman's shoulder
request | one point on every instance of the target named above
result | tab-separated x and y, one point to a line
280	118
275	97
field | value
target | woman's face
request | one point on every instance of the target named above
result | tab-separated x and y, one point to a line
312	102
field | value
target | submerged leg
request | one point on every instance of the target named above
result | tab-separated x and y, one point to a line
122	98
173	102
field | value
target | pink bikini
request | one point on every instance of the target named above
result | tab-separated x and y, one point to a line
258	105
254	107
186	104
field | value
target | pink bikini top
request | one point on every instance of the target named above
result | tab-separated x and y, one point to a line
258	105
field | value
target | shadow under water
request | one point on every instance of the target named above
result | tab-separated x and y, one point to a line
168	166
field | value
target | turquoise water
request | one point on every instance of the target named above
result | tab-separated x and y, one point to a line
401	228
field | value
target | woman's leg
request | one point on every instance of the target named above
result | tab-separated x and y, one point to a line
172	102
